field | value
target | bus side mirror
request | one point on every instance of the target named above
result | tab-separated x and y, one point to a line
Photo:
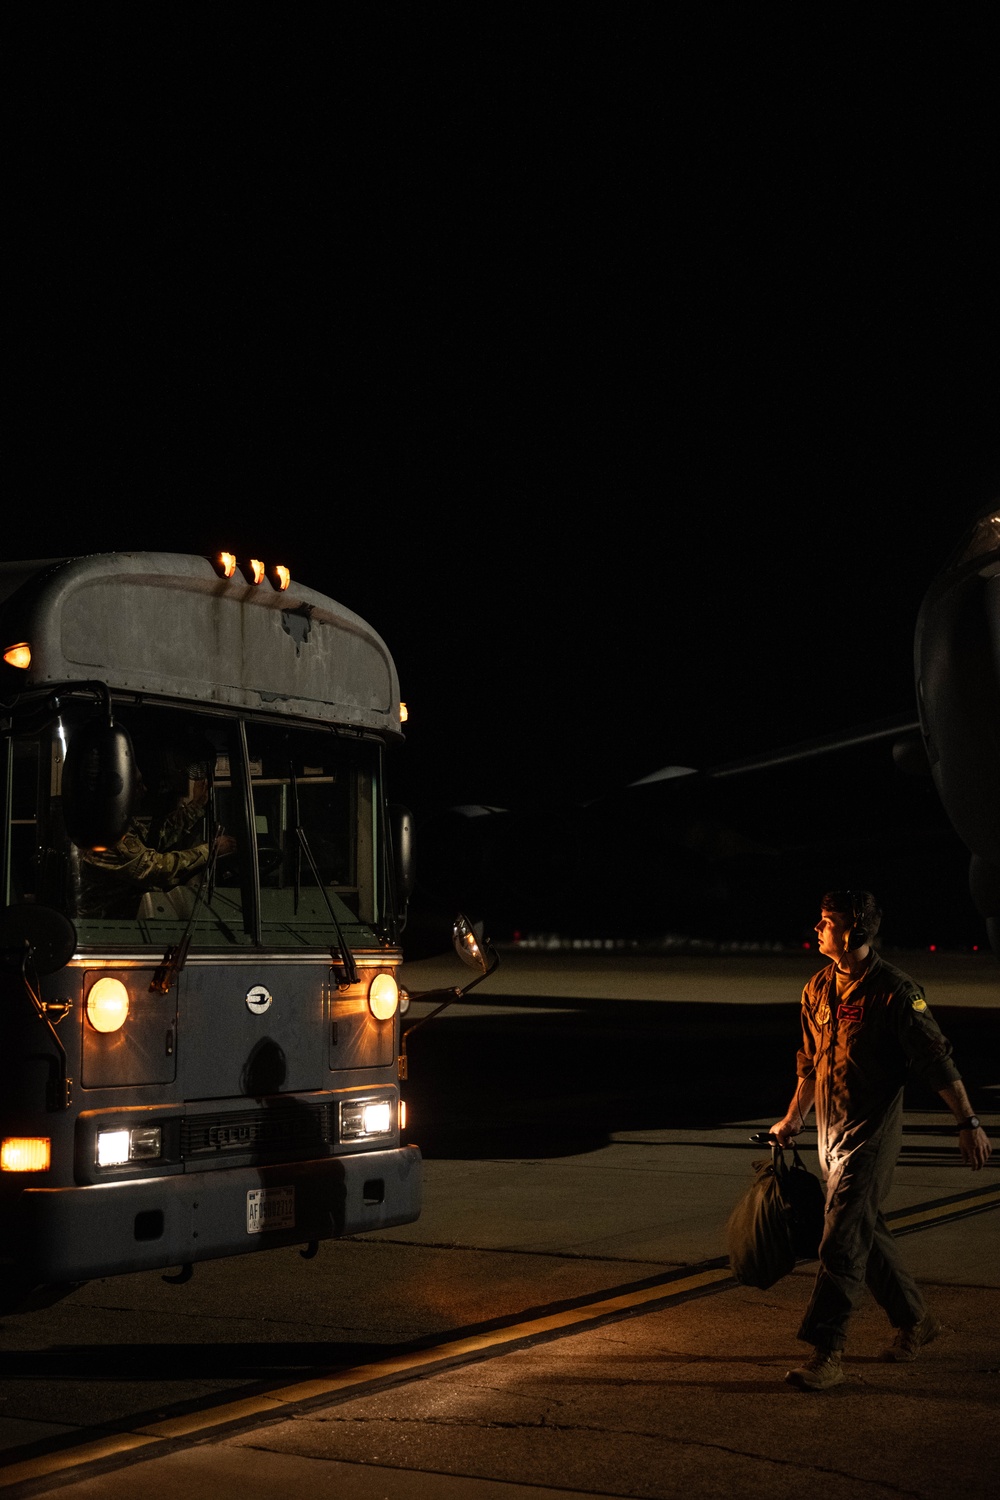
46	937
99	784
401	834
478	952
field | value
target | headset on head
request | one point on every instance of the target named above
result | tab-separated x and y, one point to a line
859	934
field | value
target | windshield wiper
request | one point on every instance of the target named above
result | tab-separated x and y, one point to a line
296	821
346	956
175	957
214	832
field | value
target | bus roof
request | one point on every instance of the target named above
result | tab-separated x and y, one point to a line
166	624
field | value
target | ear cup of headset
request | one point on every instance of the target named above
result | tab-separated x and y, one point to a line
859	934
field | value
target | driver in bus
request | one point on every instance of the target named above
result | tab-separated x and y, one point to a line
156	851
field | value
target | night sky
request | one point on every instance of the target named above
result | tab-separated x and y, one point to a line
631	370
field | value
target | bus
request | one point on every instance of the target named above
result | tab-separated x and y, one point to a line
203	892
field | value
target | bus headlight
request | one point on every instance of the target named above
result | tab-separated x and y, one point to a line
371	1117
112	1147
107	1004
383	997
116	1147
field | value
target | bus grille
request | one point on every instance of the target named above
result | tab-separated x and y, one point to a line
276	1129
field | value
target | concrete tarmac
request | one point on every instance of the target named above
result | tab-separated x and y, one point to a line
733	976
685	1399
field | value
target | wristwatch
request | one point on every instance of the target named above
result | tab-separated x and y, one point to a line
972	1123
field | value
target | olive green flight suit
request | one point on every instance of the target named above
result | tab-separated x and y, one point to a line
860	1047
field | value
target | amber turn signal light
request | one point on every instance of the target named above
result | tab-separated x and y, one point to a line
25	1153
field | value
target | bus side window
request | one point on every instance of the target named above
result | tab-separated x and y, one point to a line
37	846
23	821
57	860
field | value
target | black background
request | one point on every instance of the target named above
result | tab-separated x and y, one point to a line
631	370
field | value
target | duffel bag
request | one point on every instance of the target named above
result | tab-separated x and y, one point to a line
778	1220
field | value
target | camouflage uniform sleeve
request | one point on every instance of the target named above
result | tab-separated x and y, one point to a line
132	860
174	868
179	823
927	1049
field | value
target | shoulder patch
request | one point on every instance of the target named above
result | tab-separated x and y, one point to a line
918	1002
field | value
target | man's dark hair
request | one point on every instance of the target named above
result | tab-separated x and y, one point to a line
863	910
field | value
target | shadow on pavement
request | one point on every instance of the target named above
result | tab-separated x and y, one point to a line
539	1082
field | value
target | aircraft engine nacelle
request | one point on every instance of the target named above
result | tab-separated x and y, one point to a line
957	665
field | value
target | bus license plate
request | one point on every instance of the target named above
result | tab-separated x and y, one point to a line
270	1208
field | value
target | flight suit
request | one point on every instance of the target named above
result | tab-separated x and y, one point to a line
861	1044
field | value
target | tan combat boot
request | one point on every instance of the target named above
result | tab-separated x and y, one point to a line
819	1373
909	1341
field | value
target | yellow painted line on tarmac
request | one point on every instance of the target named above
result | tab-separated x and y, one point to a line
70	1458
955	1208
403	1364
357	1376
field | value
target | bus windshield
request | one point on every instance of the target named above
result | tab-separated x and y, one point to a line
213	848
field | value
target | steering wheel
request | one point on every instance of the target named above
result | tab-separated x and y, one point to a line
269	859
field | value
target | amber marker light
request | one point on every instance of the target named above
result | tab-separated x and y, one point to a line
256	569
107	1004
226	563
383	997
18	656
25	1153
280	577
404	713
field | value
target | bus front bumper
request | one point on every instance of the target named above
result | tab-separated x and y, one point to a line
77	1233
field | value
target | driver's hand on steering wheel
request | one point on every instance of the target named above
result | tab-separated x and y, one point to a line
224	845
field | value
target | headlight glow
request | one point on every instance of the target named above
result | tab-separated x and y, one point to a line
366	1117
107	1004
378	1118
116	1147
383	997
112	1148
